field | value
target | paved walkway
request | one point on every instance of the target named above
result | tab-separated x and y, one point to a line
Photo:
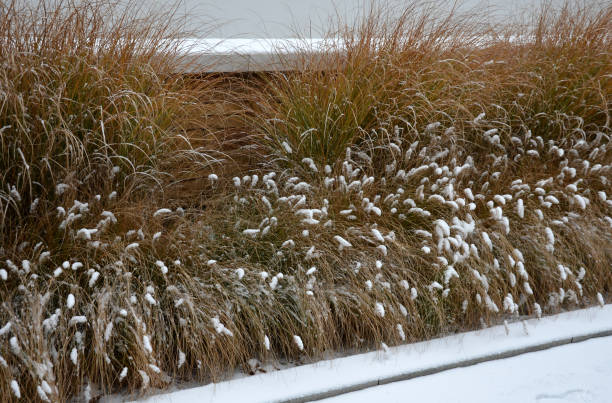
565	356
578	372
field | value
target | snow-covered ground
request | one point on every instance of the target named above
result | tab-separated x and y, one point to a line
577	372
311	18
550	374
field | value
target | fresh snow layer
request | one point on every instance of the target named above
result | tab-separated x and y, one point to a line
256	54
229	46
321	379
577	372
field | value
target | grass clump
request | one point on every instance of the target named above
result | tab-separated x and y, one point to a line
429	176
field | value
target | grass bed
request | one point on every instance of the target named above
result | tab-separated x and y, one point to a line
433	175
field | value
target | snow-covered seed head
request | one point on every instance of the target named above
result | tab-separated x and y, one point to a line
266	343
70	301
161	212
15	389
342	243
286	147
298	342
600	299
400	332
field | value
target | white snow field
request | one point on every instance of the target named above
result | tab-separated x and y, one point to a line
577	372
580	370
314	18
246	35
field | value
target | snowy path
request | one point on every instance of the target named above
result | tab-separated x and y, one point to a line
578	372
362	372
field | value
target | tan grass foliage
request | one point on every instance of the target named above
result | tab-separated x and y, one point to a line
426	176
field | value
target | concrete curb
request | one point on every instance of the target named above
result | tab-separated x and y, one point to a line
458	364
